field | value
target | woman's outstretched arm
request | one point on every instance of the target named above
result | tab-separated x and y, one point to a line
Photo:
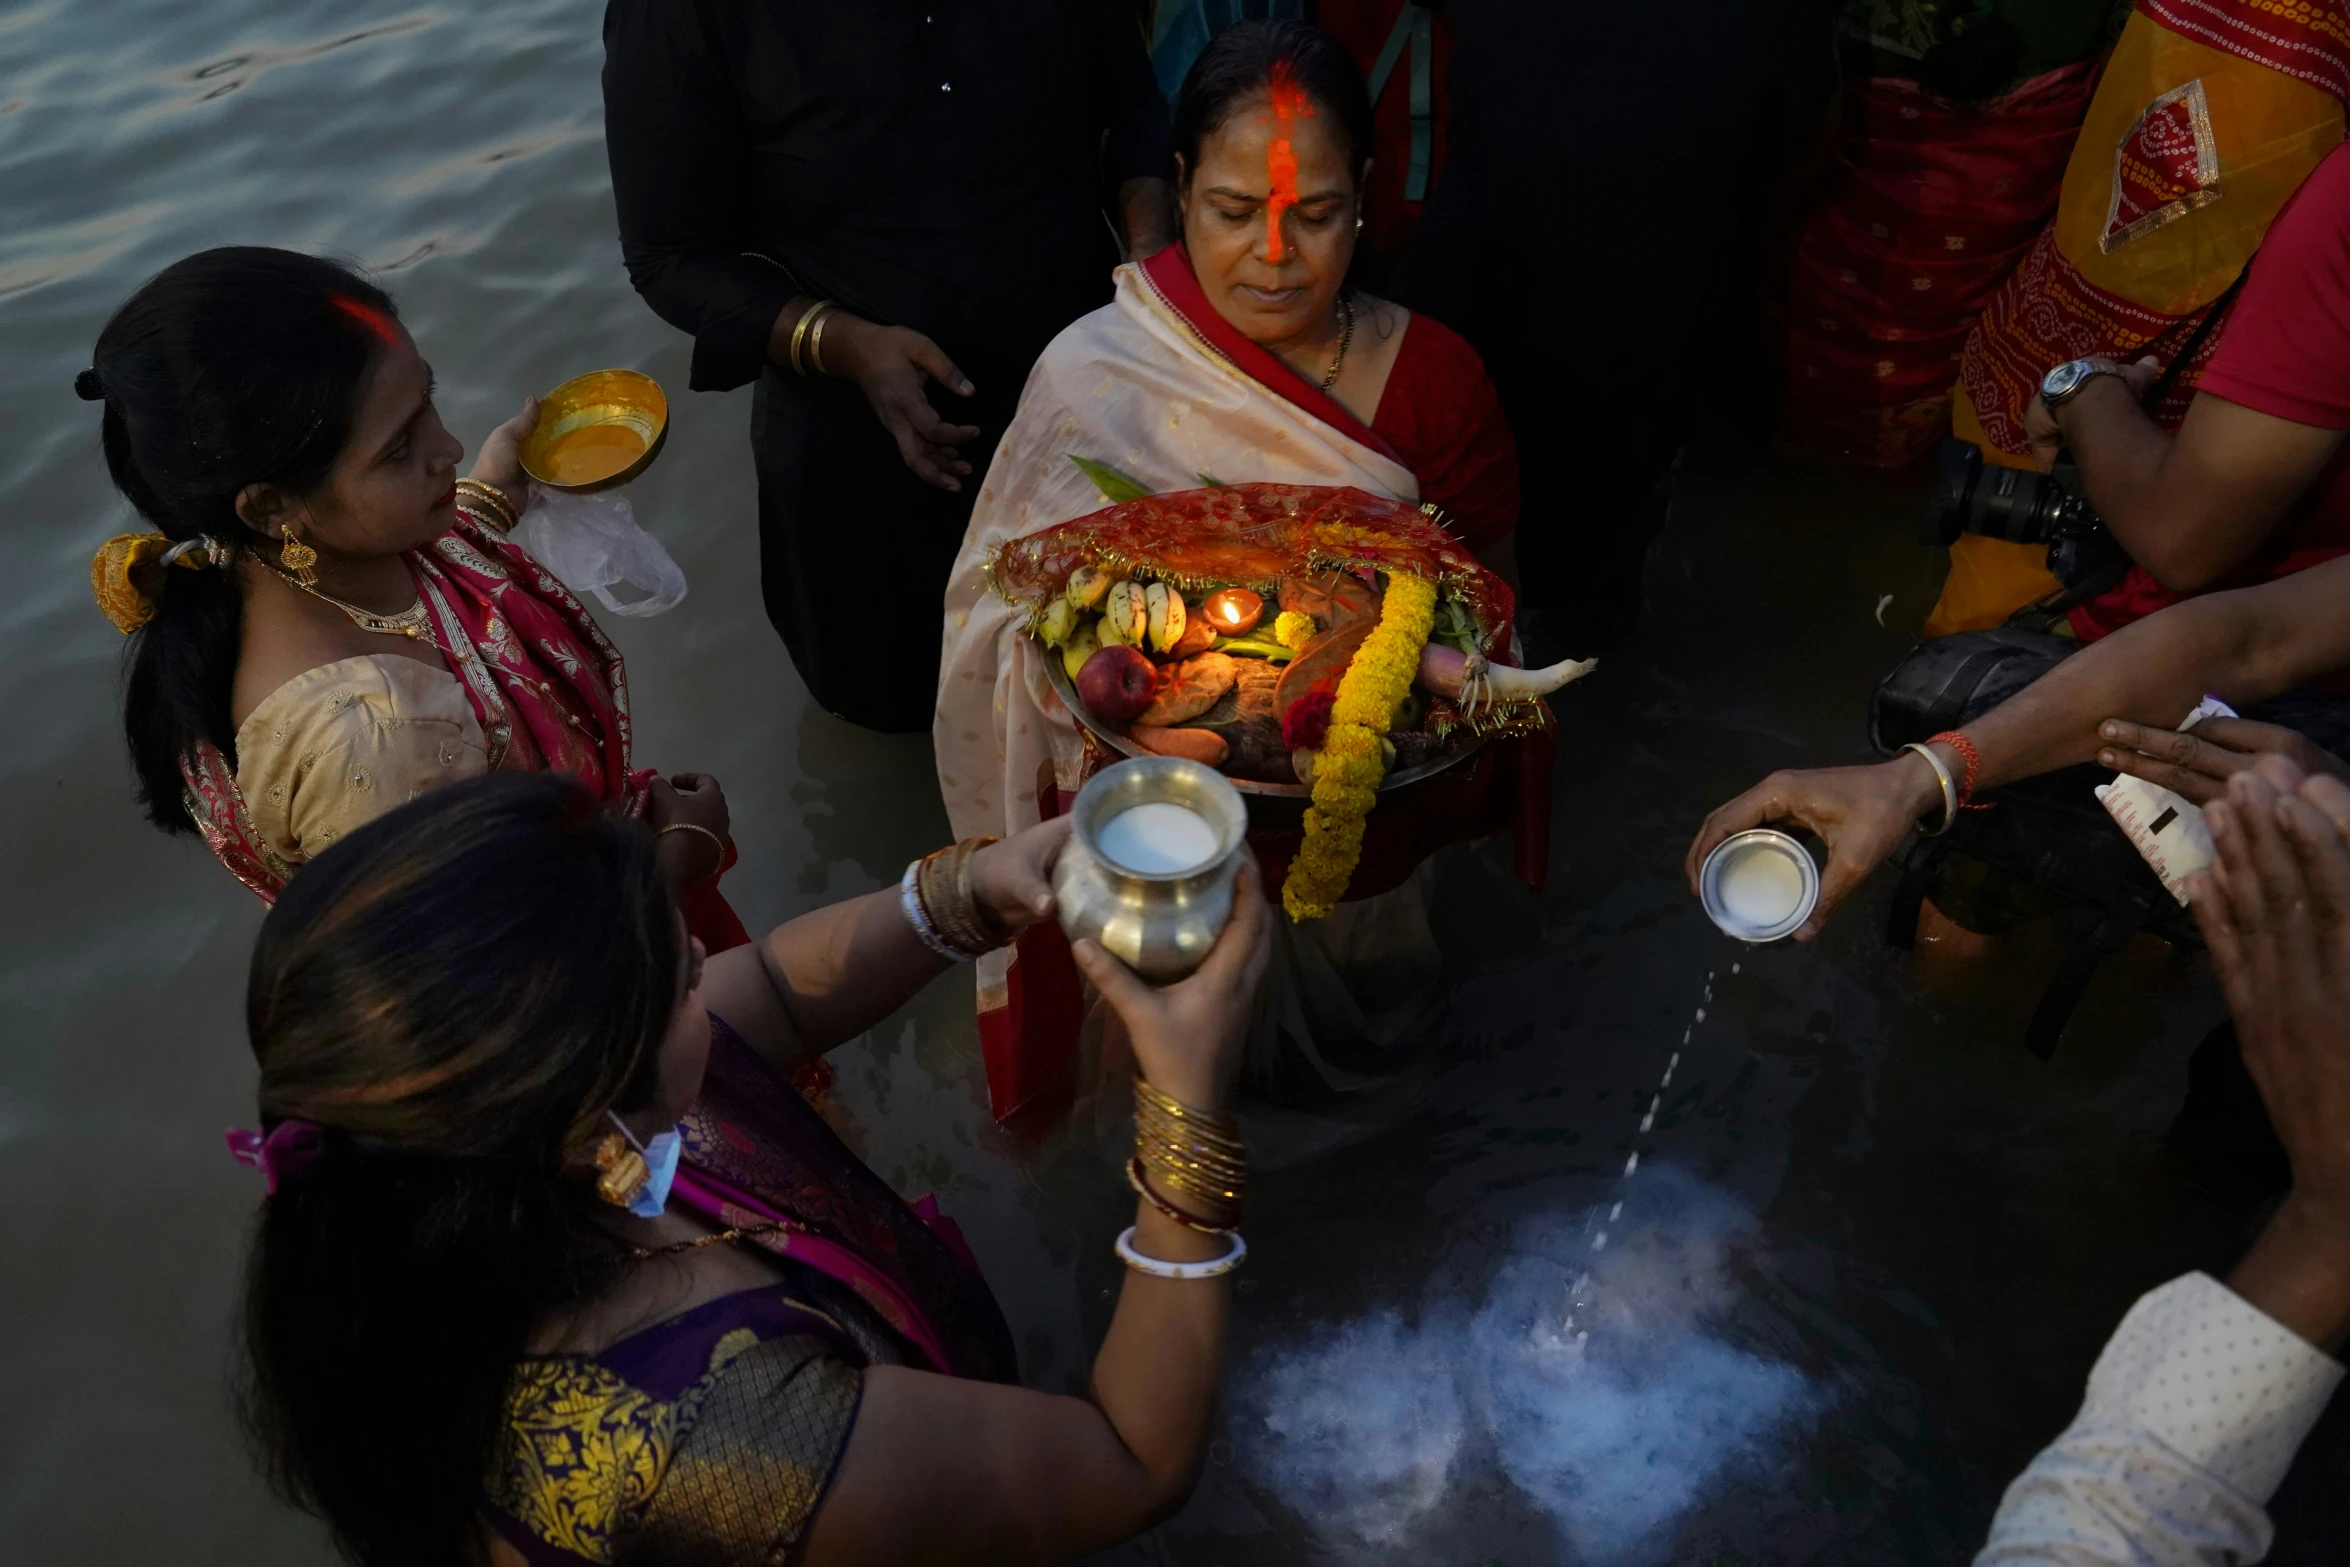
946	1471
2246	645
826	977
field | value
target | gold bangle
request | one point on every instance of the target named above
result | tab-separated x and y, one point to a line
1220	1225
942	881
1182	1165
716	842
991	930
1215	1128
1187	1152
810	318
816	343
1219	1151
1222	1196
493	497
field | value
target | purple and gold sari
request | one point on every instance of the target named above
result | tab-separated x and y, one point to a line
712	1437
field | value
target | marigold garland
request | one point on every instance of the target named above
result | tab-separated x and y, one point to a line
1354	757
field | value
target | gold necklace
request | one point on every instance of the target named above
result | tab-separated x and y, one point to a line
409	622
1346	335
720	1238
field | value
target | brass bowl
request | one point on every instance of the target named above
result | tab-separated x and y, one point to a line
596	431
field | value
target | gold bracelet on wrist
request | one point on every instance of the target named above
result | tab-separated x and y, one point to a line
1142	1188
810	319
816	343
491	504
942	884
992	930
716	842
1181	1150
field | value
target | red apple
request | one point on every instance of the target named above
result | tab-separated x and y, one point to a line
1116	683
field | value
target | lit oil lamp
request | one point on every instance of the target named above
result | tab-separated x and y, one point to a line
1233	611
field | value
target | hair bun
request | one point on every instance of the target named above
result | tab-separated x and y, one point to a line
88	387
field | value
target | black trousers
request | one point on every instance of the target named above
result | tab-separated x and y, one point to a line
854	550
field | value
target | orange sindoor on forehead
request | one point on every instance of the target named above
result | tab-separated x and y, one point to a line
367	316
1290	103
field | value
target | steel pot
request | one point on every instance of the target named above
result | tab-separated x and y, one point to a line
1161	925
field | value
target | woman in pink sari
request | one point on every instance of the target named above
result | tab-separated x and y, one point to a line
554	1269
327	621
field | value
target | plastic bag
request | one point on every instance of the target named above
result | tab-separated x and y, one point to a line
592	542
2168	829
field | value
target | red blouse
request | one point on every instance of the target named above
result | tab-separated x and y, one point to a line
1444	420
2283	351
1439	415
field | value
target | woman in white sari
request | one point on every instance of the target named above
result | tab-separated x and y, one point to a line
1236	355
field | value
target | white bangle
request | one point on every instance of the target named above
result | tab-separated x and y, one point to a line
1159	1268
1949	790
910	901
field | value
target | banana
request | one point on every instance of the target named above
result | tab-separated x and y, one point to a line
1057	621
1080	647
1163	607
1125	615
1087	585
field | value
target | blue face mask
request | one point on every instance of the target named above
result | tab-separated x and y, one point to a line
661	1156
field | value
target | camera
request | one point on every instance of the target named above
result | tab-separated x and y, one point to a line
2024	507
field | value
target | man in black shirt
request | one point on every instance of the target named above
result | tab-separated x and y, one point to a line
1594	236
894	193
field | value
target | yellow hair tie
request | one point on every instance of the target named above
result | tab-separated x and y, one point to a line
122	560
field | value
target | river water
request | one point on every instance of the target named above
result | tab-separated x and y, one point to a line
1869	1253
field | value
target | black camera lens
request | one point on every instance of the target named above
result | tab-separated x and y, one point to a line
1958	464
2015	504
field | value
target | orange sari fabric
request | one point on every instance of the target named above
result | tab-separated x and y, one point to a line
2209	115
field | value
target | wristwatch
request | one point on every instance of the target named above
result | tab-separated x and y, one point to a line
2062	384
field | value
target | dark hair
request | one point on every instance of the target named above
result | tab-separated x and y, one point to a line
456	992
236	366
1238	64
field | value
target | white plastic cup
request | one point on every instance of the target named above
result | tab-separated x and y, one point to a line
1759	885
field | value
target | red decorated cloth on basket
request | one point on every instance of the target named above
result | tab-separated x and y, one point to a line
1253	535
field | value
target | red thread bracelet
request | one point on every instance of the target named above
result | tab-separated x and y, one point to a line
1973	760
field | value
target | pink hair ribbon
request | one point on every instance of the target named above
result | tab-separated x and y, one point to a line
290	1149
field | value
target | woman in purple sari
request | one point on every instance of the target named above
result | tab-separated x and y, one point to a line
556	1268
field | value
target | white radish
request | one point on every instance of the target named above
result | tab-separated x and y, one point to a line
1474	681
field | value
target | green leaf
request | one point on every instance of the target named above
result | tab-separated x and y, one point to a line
1255	647
1115	486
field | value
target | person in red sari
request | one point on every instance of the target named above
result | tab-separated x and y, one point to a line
1240	354
326	620
1273	134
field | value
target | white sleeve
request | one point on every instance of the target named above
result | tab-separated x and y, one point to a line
2193	1414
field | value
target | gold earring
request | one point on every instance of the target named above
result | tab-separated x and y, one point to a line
621	1172
298	558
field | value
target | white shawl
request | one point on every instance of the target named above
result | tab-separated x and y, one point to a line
1133	386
